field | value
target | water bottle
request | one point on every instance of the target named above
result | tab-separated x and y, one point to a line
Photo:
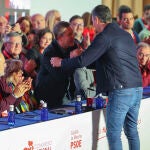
44	112
11	116
100	102
78	105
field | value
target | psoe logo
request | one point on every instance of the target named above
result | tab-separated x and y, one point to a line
30	146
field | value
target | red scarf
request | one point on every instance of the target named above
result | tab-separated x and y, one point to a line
6	54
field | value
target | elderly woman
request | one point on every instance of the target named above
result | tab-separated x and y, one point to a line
13	88
143	56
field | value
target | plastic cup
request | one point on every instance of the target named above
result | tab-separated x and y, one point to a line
89	102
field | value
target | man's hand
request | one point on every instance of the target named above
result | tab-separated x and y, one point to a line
86	40
56	61
76	52
16	28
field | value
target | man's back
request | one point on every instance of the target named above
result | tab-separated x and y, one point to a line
116	63
119	63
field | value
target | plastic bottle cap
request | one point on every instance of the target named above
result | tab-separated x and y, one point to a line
41	102
11	107
78	97
45	105
84	105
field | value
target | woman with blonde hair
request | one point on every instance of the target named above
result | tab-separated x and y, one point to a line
52	17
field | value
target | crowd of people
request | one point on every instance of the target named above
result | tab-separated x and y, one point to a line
44	58
26	41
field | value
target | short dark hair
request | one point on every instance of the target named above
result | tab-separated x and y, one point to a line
75	17
146	7
27	18
59	28
103	13
123	9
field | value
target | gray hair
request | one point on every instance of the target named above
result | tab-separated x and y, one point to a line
142	45
9	35
60	28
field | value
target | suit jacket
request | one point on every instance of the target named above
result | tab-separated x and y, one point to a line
116	64
52	83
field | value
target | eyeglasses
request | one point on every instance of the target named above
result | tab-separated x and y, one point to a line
15	43
141	55
77	24
128	19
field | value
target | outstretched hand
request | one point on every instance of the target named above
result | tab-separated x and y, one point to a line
86	40
56	61
76	52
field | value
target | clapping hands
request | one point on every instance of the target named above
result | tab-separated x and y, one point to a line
22	87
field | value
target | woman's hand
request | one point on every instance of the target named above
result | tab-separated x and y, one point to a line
23	87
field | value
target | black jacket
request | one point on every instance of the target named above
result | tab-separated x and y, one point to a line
52	83
116	64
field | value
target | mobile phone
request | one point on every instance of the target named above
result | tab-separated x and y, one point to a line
12	26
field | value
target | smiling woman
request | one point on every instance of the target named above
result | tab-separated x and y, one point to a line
42	39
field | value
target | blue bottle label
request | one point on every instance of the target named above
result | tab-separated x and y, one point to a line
44	114
11	118
78	107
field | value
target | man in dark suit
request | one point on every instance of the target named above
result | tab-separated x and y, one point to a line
52	83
